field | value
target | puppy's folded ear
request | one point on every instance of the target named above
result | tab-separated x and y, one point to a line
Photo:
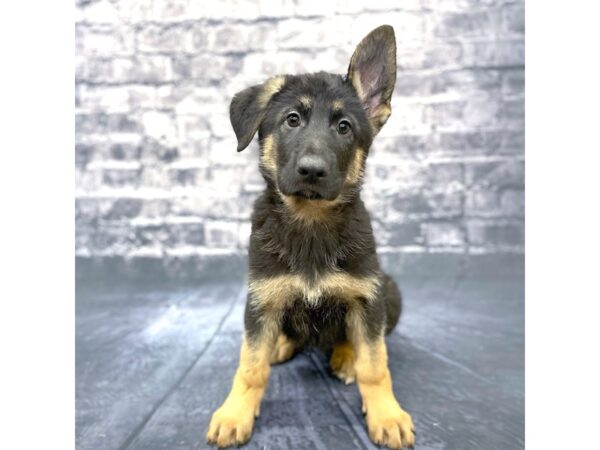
372	72
248	108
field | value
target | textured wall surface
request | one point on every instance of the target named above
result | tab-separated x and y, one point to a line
157	173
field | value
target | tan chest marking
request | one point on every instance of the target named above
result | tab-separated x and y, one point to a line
281	290
308	211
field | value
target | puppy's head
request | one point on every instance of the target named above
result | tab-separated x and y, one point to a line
315	130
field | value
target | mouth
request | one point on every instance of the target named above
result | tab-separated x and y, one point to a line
308	194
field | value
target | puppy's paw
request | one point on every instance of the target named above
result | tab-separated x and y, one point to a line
283	351
230	426
390	425
342	363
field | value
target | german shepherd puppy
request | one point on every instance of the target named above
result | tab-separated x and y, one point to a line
314	278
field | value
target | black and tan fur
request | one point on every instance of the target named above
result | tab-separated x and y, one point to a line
314	277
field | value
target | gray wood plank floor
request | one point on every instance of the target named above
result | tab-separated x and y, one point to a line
155	359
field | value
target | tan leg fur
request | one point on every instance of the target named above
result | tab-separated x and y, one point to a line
388	424
232	423
342	362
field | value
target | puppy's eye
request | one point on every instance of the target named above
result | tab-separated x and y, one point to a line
293	119
344	127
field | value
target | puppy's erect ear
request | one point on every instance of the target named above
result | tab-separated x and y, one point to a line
372	72
248	108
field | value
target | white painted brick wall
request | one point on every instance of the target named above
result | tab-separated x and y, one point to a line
157	171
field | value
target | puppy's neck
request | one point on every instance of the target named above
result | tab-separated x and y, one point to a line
313	213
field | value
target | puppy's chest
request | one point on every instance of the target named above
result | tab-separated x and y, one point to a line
321	324
283	291
304	250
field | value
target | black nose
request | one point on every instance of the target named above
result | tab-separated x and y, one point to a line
311	168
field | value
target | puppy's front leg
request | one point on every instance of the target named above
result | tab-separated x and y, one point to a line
387	422
232	423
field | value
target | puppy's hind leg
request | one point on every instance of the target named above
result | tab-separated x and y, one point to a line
284	349
392	299
342	362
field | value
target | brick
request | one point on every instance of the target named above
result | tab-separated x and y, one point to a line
106	123
125	208
120	177
139	69
458	5
390	148
410	84
479	202
87	180
443	234
472	113
182	67
150	69
188	98
186	176
512	203
101	40
190	126
298	33
210	69
238	38
505	53
513	111
444	203
411	203
170	235
160	126
97	11
222	234
224	151
470	24
332	59
465	81
472	142
154	38
95	69
494	233
211	205
120	209
356	6
513	18
407	118
234	9
497	175
116	99
444	173
513	83
441	55
428	56
172	10
109	238
401	234
513	141
156	150
314	8
257	67
124	151
386	179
